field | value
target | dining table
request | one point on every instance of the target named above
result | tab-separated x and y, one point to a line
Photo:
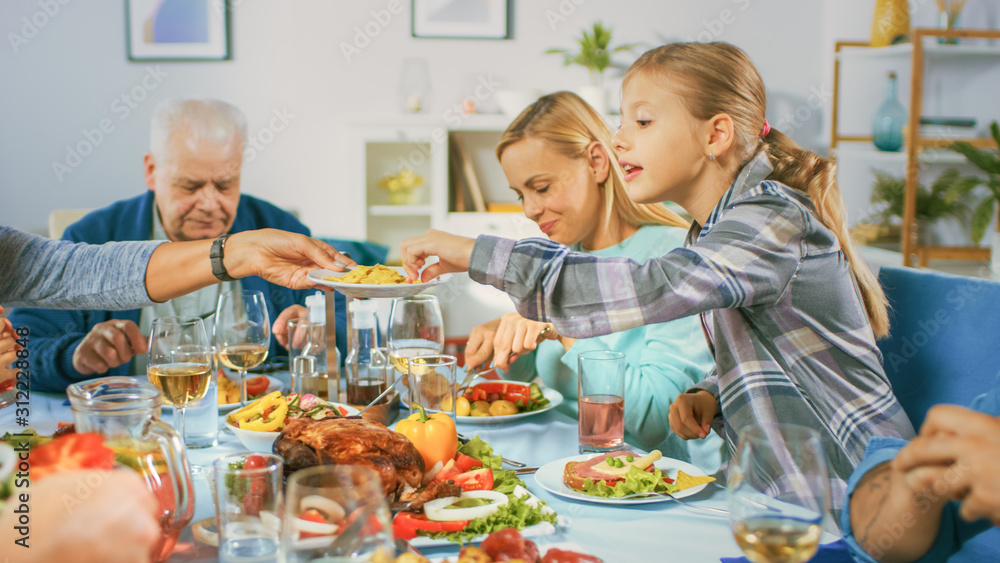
662	531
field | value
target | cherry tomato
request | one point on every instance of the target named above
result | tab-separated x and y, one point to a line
252	504
258	486
254	462
257	385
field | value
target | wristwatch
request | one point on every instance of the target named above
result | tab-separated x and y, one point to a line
215	255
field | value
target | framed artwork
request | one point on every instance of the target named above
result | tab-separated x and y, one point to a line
177	30
461	19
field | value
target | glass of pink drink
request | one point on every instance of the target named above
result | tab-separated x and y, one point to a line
601	392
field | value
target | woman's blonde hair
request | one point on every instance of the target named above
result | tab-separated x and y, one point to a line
719	78
567	124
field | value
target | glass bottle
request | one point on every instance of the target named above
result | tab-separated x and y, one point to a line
364	381
887	125
308	364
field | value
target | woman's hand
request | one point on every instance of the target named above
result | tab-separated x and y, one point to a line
453	254
479	348
691	414
280	257
956	456
516	336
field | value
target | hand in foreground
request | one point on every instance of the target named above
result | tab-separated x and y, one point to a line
280	257
516	336
956	456
479	348
280	328
8	349
453	254
84	516
691	414
108	345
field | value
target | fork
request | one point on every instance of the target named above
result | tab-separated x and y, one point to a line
708	508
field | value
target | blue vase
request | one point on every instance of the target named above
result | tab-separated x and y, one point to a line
887	125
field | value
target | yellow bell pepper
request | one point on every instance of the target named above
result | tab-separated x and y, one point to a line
243	417
434	436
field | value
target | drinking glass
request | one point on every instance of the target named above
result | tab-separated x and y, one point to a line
433	379
778	493
179	363
601	396
336	513
248	510
242	332
415	329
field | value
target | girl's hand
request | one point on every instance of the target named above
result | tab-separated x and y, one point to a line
280	257
515	337
453	254
479	348
691	414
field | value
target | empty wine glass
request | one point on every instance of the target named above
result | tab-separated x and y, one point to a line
242	332
179	363
779	491
415	329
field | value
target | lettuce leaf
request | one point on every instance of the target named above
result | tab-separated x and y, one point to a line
636	481
517	513
504	480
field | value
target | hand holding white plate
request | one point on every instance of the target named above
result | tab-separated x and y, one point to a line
365	291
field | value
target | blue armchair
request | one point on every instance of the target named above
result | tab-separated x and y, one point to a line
363	252
944	341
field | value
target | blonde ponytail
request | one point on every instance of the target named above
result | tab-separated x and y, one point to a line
808	172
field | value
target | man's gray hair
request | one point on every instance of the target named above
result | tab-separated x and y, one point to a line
204	119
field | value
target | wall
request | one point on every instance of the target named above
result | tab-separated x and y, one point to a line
288	62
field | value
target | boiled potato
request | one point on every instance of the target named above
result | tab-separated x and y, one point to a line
433	387
411	558
462	407
479	408
446	402
472	554
502	408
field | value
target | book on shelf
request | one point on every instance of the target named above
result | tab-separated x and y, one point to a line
465	173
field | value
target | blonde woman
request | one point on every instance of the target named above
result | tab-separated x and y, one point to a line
557	157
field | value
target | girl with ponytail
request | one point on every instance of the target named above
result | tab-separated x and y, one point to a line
788	309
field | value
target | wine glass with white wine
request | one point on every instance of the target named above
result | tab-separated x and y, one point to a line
415	329
779	491
179	363
242	332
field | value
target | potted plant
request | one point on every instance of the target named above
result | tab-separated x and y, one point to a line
594	54
933	204
989	162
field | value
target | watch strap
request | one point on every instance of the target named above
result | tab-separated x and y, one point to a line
216	255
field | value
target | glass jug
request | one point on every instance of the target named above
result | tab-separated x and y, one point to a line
126	412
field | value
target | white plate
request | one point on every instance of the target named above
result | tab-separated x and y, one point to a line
273	385
550	478
555	399
364	291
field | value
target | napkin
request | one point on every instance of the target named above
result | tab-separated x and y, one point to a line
836	552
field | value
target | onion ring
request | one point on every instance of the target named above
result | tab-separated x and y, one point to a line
437	509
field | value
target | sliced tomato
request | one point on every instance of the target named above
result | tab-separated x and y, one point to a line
447	473
517	393
257	385
71	451
475	480
466	462
555	555
343	411
406	525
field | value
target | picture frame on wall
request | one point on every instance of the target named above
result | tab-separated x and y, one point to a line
461	19
177	30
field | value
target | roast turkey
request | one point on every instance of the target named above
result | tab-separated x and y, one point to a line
352	441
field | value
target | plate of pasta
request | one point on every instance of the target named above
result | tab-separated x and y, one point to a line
374	281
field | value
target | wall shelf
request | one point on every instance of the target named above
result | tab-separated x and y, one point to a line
399	210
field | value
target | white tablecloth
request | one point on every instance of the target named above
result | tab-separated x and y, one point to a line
661	531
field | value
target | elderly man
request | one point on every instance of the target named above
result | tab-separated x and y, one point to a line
193	174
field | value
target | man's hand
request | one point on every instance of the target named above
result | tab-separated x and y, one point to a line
691	414
108	345
280	328
453	254
8	349
956	456
280	257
